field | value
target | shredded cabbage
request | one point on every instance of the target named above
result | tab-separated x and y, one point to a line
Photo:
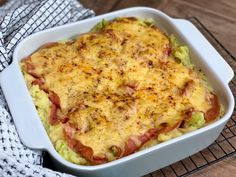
169	135
99	26
197	120
147	21
42	104
180	52
68	154
55	132
173	42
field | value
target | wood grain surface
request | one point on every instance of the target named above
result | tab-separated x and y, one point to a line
2	2
219	17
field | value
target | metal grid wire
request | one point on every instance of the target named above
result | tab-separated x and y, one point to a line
225	145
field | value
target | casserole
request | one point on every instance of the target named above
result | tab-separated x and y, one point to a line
34	136
111	92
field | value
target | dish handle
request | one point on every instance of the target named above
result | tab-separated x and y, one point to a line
26	119
220	67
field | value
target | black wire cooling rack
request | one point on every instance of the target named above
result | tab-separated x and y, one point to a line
225	145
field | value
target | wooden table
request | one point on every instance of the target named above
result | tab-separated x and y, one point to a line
219	16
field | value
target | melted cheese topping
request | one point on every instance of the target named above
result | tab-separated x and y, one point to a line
118	82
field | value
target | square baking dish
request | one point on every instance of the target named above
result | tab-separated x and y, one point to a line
203	55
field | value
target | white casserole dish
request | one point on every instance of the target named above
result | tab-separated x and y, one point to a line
203	55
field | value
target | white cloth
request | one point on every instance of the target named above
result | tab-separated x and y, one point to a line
18	19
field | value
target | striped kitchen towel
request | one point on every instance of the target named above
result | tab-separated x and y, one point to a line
18	19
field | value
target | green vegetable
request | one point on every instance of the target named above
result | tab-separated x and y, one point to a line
42	104
197	120
99	26
169	135
147	21
55	132
180	52
173	42
68	154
